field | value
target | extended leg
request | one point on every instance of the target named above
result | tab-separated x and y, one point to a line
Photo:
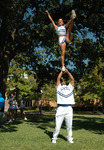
68	35
70	24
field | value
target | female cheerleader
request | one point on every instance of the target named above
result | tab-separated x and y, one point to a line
64	37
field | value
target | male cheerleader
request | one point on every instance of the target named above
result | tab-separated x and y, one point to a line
65	99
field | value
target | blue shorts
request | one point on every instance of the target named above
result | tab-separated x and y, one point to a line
66	42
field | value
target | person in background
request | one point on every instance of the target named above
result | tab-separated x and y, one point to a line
2	101
22	107
16	108
11	107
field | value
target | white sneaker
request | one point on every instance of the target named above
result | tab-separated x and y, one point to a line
70	140
73	14
25	118
10	120
63	68
53	141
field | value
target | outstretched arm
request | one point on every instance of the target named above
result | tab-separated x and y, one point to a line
53	23
70	76
58	78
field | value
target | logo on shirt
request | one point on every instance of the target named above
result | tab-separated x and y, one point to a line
65	88
65	96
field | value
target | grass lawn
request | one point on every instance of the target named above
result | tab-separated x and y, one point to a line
36	133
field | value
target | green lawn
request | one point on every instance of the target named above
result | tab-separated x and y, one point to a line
36	133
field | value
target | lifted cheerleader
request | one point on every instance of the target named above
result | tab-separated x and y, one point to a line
63	35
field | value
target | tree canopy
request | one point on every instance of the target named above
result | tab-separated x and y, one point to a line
26	30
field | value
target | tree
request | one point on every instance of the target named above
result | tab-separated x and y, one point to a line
20	28
19	82
24	28
91	85
49	92
13	38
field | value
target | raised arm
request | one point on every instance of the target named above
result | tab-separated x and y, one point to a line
58	78
53	23
70	76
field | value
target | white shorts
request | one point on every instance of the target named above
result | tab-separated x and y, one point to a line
62	40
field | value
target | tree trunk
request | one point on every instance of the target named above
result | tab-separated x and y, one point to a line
4	66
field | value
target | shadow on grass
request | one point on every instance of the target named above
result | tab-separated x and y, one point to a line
9	127
34	119
44	122
90	123
50	134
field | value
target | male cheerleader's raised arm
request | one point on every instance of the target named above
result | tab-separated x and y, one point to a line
53	23
70	76
58	78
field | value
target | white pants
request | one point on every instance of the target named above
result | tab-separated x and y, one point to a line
67	114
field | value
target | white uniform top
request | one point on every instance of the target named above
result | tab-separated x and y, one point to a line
61	30
65	94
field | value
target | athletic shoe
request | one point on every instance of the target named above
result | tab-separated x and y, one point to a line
10	120
53	141
73	14
25	118
70	140
63	68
